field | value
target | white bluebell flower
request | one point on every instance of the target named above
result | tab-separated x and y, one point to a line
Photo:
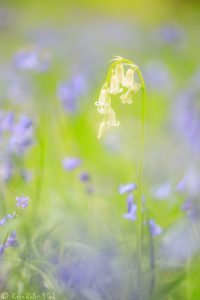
109	121
115	85
104	101
127	98
129	78
119	72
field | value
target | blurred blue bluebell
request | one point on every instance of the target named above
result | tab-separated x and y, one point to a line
158	76
162	191
71	163
127	188
22	201
180	242
170	34
22	136
129	201
84	176
7	217
154	228
132	213
6	170
32	58
187	112
10	241
70	92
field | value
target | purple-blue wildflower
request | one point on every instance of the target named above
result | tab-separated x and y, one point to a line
70	91
71	163
157	76
187	113
129	201
190	183
131	215
10	241
127	188
162	191
187	205
24	124
84	176
191	208
8	216
2	221
22	135
131	208
22	201
155	229
6	121
32	59
180	187
6	171
170	34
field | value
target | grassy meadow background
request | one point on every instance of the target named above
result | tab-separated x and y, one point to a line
72	241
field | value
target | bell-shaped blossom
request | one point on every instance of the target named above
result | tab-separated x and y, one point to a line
71	163
10	241
3	221
84	176
22	201
127	97
70	92
22	136
32	58
155	229
129	78
132	213
7	217
111	118
119	72
6	171
109	121
129	201
104	101
127	188
115	85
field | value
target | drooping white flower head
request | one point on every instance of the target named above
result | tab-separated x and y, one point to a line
115	85
129	78
127	97
119	72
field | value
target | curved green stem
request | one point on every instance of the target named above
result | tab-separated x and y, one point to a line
139	180
131	64
141	155
119	61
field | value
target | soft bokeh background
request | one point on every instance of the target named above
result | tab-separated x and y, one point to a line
72	239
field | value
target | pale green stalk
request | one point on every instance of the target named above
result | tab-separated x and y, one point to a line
140	161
